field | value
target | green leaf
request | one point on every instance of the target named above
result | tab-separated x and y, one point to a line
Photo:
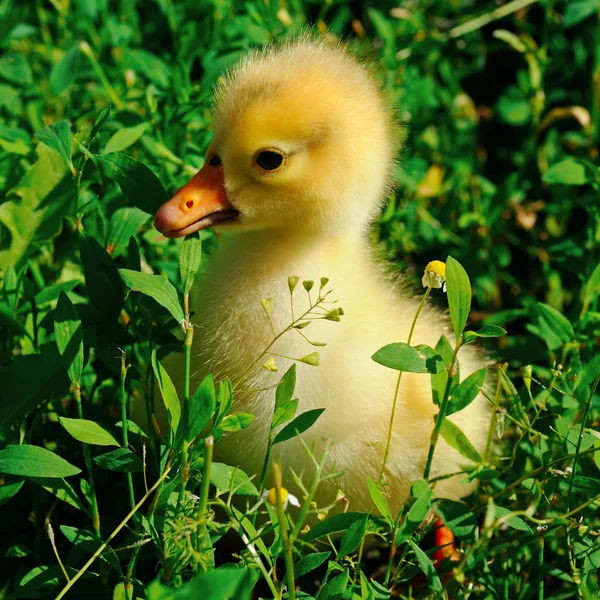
202	406
458	519
557	322
137	182
299	425
10	489
236	422
576	12
353	536
285	407
121	460
379	500
190	258
334	589
104	286
66	71
89	543
124	223
88	432
458	440
513	521
226	478
58	137
310	562
566	172
439	381
52	292
14	67
410	359
224	400
124	137
592	287
69	337
34	461
333	524
466	391
156	287
61	489
168	393
427	568
417	512
487	331
9	322
458	287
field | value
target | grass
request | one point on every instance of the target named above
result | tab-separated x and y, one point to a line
103	108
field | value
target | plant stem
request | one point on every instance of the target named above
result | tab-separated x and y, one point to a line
124	425
439	421
88	465
185	459
494	15
105	544
286	541
395	400
110	90
541	564
208	456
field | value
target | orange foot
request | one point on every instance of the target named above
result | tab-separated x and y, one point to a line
444	538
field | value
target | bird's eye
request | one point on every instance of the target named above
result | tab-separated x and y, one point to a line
269	160
215	161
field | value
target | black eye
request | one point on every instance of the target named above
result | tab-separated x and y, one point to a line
269	160
215	161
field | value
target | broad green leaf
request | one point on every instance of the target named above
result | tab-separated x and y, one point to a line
299	425
88	432
62	489
454	437
58	137
458	519
379	500
236	422
512	520
10	489
124	223
121	459
353	536
487	331
310	562
9	322
14	67
427	568
34	461
224	400
466	391
124	137
578	11
202	406
333	524
410	359
557	322
285	413
103	284
101	118
416	513
566	172
52	292
439	380
66	71
69	337
152	67
592	287
190	258
137	182
168	393
335	588
89	543
226	478
458	288
285	407
156	287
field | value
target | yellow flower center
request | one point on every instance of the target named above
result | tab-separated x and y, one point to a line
436	266
272	498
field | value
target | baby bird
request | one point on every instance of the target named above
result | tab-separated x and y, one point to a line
298	167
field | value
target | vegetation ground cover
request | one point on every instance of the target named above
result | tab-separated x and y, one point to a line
104	110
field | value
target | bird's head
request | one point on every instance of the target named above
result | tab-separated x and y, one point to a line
301	139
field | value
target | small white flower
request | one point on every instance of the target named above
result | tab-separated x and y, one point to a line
270	497
435	275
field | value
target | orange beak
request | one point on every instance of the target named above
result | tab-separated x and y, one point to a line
200	203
